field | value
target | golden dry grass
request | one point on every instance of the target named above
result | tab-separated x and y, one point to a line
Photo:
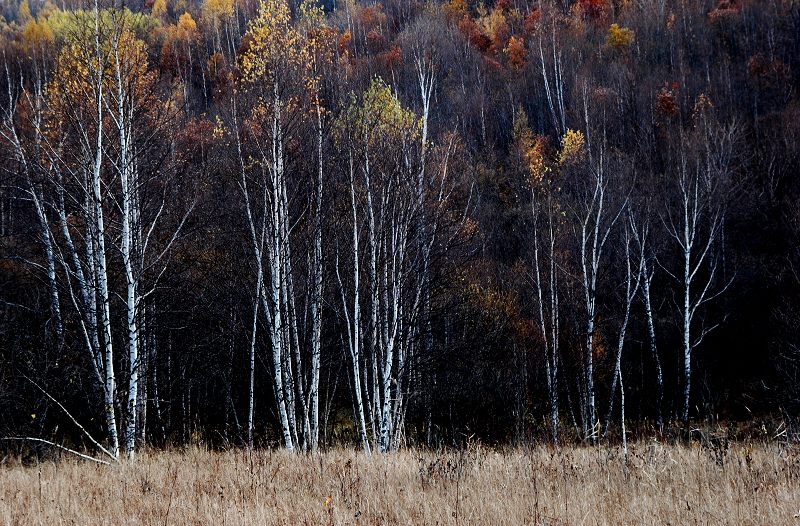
742	485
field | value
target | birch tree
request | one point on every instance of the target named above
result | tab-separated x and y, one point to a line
554	86
695	223
595	212
393	237
545	213
75	156
91	136
634	270
641	230
27	151
129	82
283	70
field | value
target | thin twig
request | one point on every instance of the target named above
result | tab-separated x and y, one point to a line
59	446
85	432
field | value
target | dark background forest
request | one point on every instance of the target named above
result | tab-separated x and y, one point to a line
415	223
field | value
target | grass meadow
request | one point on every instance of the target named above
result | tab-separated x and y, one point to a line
730	483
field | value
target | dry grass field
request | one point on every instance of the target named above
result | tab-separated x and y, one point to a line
738	485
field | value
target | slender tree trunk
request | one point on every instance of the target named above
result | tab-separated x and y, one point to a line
317	294
352	312
651	333
687	344
99	247
47	242
631	290
548	328
251	362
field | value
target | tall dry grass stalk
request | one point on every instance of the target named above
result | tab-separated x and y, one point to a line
738	485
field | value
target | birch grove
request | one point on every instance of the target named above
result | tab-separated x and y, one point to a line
595	217
381	139
292	303
307	225
86	220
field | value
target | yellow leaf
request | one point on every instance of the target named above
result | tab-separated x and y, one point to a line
571	147
619	37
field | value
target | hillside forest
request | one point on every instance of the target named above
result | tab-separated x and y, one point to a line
296	224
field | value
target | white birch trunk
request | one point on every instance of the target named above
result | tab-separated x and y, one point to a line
548	323
631	290
352	313
317	294
699	224
651	333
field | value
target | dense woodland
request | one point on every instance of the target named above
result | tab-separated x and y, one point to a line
397	223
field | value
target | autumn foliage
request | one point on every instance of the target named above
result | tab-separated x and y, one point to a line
619	37
516	52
